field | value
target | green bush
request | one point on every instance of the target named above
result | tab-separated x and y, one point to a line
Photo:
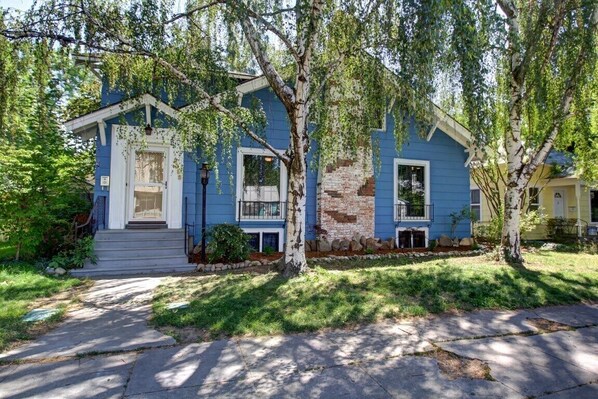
268	250
431	245
75	258
227	243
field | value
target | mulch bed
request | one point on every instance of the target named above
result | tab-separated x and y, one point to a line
313	254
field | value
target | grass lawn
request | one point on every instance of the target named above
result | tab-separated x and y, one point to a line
365	291
6	251
21	287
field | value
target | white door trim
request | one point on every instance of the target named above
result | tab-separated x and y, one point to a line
120	157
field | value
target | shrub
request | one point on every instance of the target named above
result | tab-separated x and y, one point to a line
75	258
431	245
268	250
228	243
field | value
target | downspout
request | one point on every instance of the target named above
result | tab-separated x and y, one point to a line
577	197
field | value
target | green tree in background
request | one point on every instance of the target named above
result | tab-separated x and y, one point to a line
43	171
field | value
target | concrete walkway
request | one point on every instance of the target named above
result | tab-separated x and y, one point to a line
113	318
384	360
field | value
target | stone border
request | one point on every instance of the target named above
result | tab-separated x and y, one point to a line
335	258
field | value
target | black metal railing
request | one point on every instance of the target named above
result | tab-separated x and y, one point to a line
188	227
404	212
261	210
95	220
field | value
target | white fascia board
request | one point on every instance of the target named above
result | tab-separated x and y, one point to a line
83	123
432	130
454	129
253	85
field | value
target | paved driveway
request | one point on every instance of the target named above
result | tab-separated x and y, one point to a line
384	360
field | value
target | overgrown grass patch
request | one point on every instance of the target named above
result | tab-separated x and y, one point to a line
366	291
21	286
7	251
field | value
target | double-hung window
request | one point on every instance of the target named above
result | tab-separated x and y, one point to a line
412	189
261	185
534	198
476	204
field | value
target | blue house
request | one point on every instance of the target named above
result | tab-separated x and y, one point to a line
148	191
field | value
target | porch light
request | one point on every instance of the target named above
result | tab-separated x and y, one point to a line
148	130
205	173
268	159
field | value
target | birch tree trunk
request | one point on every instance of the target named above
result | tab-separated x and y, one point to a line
294	262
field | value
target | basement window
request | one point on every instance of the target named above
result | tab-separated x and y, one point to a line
412	237
259	239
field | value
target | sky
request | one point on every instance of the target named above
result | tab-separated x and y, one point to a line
18	4
25	4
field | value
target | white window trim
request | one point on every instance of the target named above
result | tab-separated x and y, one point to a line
424	229
479	203
590	208
383	128
411	162
241	151
539	203
280	232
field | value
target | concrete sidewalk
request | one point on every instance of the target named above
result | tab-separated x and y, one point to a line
384	360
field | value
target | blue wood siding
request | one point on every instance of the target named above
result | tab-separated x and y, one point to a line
449	185
221	207
449	181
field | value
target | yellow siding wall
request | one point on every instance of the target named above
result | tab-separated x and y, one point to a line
546	201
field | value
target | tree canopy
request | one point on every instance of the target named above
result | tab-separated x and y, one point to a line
335	65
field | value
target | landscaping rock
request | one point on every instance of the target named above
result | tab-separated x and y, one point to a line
392	243
385	245
197	249
324	246
50	270
466	242
336	245
344	245
356	237
355	246
445	241
201	267
362	241
60	271
372	244
456	242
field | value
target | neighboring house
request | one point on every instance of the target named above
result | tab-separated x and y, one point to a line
560	196
407	195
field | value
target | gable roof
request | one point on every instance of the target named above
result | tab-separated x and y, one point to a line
443	121
86	125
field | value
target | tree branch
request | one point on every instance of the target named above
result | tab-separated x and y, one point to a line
285	93
189	13
566	101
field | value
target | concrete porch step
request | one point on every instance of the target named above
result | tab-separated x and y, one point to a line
134	252
122	252
153	234
102	270
139	244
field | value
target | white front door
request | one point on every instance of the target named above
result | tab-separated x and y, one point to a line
148	185
559	203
